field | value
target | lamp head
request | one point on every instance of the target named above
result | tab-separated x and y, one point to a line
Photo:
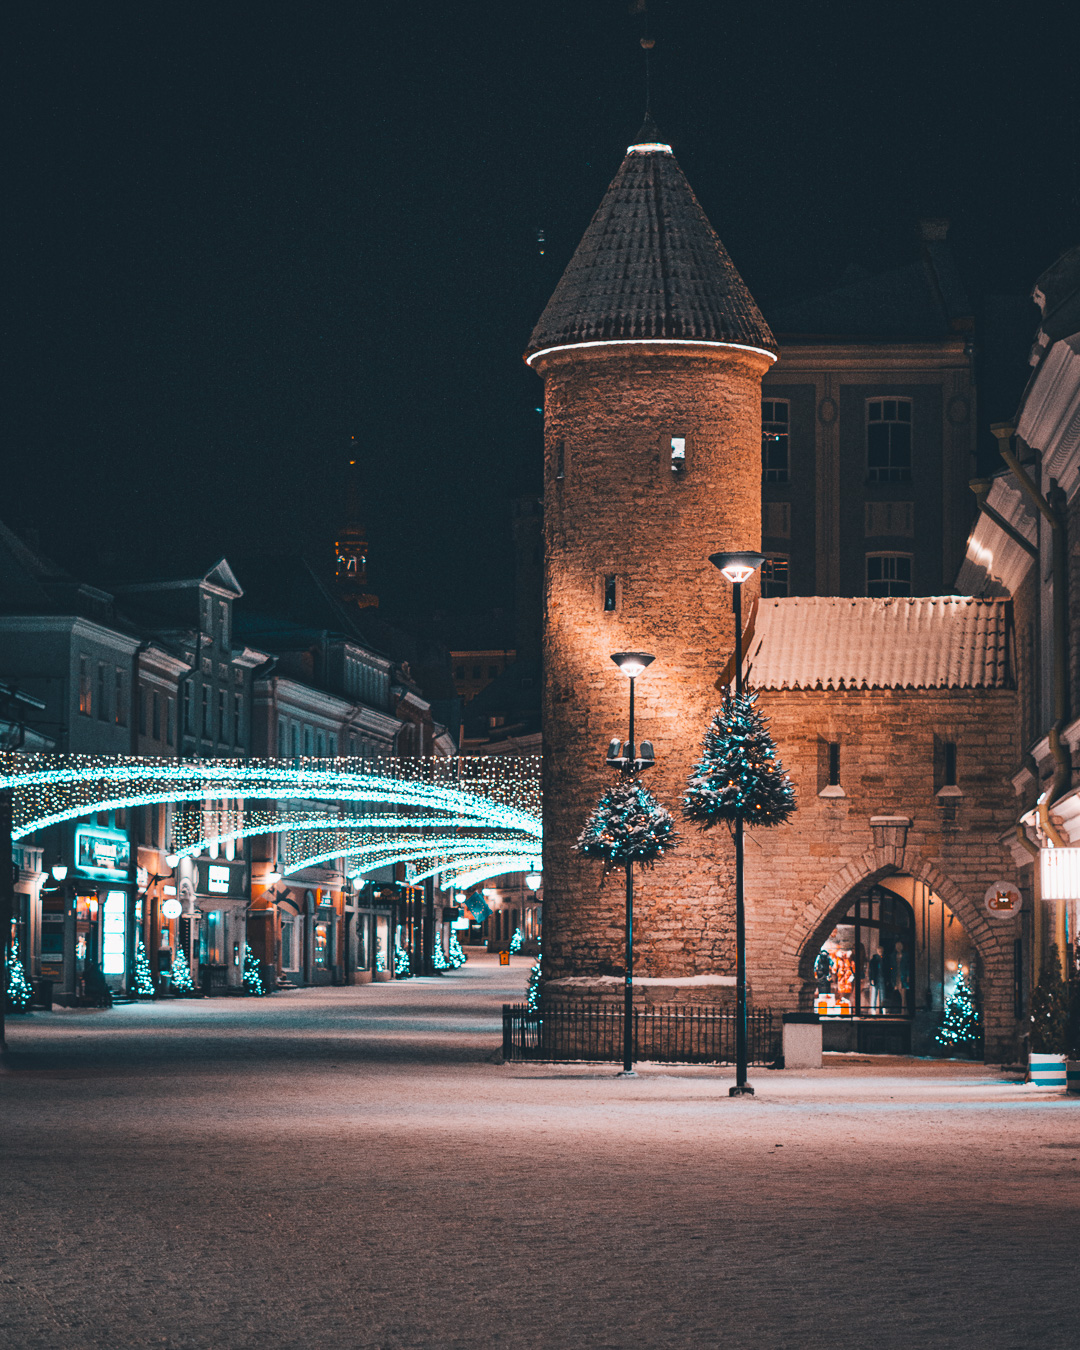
59	871
171	859
272	878
632	663
737	567
533	880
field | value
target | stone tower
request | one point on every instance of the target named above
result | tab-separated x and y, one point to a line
652	352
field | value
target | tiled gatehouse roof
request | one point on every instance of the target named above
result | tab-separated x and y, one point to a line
829	642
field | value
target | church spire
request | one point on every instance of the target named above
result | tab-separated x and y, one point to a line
351	546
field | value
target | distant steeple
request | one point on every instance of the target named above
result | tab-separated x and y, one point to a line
351	547
650	267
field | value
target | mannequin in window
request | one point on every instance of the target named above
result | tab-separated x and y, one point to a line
823	967
877	978
845	974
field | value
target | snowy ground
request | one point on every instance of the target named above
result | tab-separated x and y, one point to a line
347	1167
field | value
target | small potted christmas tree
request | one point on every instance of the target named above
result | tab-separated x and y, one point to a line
1049	1025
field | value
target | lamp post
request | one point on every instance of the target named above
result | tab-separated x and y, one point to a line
737	568
631	664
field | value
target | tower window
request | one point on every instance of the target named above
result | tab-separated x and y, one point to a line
560	459
950	763
834	763
775	420
678	454
888	574
775	576
610	592
888	440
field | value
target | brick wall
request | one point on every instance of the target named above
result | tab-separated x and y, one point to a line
801	877
619	510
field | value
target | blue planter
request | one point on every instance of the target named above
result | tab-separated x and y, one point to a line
1046	1070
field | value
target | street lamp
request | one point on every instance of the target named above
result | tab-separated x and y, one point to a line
631	664
737	568
59	871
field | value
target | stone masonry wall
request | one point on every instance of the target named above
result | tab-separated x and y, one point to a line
800	877
620	510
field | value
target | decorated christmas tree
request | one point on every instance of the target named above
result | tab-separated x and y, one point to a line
961	1024
1050	1009
739	775
180	975
19	992
142	982
438	959
253	980
627	825
516	941
532	993
402	966
457	956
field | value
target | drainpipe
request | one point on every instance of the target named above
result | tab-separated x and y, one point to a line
1054	514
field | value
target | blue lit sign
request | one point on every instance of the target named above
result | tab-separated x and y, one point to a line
102	853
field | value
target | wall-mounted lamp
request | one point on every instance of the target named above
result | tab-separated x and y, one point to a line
59	871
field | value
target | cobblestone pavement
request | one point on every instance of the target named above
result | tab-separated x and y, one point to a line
347	1167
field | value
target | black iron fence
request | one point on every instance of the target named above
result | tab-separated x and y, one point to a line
662	1035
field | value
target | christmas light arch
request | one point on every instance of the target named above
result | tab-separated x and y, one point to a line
481	806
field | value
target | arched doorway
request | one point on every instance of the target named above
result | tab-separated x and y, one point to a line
885	971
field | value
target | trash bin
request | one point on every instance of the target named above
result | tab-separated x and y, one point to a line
802	1041
504	958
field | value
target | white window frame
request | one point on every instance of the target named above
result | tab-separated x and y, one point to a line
889	473
770	426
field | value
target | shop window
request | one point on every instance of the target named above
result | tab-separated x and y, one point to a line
888	574
85	694
775	419
321	954
865	967
363	942
289	945
888	440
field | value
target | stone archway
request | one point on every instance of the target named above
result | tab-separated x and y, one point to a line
993	944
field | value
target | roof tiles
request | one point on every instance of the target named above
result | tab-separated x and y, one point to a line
650	266
826	642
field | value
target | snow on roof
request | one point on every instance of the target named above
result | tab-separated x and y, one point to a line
829	642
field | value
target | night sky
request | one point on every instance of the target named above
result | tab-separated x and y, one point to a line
246	234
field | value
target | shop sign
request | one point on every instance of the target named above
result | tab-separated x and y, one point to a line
1002	900
219	878
102	853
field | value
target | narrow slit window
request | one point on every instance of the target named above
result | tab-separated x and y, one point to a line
560	459
610	592
678	454
834	763
950	764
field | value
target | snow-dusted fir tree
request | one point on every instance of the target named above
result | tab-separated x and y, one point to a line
142	984
516	941
628	825
457	956
19	991
252	976
739	776
1050	1009
438	956
180	975
961	1023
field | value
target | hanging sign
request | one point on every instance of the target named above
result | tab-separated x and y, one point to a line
1002	900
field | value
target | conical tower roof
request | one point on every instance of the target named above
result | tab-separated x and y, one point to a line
650	267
